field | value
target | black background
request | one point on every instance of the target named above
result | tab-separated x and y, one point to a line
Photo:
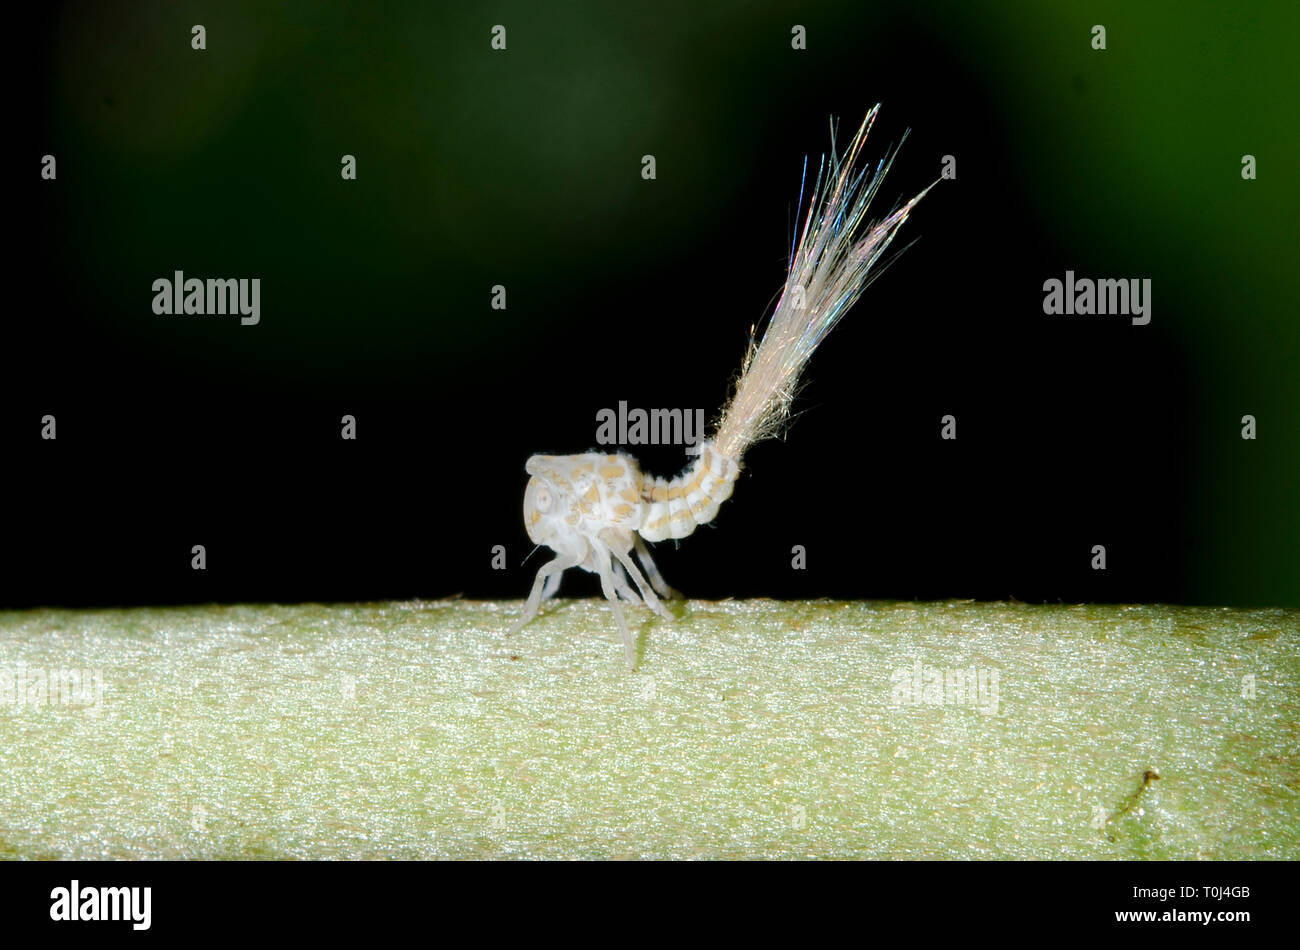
1070	433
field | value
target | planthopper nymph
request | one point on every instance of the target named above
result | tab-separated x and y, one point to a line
597	510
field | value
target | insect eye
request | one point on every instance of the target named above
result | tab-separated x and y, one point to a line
543	500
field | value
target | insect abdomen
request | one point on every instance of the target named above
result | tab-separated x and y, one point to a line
675	508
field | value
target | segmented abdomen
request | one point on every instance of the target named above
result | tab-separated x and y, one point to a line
675	508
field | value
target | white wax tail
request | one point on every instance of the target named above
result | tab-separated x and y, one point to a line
829	268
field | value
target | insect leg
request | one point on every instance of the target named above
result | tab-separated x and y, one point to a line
656	578
622	586
607	585
651	600
552	585
554	567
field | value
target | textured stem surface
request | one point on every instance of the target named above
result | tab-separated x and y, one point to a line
753	729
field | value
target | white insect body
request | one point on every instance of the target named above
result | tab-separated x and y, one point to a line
594	510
